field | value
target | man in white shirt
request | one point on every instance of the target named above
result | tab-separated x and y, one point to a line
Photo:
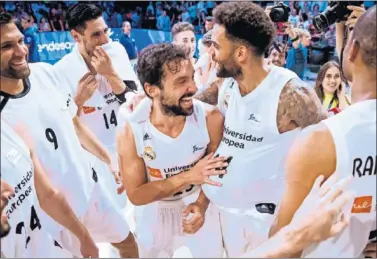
33	95
98	74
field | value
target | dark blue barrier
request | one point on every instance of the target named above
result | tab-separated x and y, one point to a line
53	46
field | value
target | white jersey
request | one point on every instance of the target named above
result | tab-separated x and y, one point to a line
28	236
251	137
165	156
99	112
225	92
354	135
203	64
47	114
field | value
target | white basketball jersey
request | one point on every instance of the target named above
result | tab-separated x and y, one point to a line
165	156
47	114
99	112
225	93
354	134
251	137
28	237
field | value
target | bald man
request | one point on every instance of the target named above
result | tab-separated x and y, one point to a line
344	145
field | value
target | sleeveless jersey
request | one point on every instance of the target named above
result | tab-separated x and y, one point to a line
99	112
251	137
354	135
47	114
165	156
27	237
225	92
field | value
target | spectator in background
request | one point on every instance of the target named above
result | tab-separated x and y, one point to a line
202	20
330	87
136	19
163	22
19	13
298	55
305	21
159	10
151	8
184	34
185	15
172	12
314	12
128	42
329	40
208	24
305	6
209	6
30	38
55	20
293	18
149	21
44	26
277	54
33	25
116	18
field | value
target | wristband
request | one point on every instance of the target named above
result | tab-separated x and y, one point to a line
295	39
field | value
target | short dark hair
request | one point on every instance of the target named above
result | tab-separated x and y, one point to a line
280	47
206	40
153	60
180	27
5	18
78	14
209	18
246	22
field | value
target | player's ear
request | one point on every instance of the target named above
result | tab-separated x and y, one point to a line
151	90
354	50
75	35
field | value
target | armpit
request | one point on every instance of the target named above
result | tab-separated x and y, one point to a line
299	106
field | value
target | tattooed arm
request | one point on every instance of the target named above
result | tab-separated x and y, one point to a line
211	94
299	107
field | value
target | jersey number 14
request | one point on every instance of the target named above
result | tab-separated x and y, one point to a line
111	120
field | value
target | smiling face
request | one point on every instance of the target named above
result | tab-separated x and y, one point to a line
186	39
332	80
13	53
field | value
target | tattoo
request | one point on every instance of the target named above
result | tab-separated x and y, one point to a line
211	94
299	106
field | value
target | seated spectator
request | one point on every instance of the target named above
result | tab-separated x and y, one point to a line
298	54
305	6
330	87
55	20
315	11
44	26
128	42
293	18
305	21
163	22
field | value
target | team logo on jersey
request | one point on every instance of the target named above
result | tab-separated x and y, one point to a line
226	100
149	154
13	156
195	148
254	117
362	204
67	103
156	173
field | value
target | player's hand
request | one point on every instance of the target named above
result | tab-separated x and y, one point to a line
86	88
88	248
370	250
319	217
135	100
206	167
357	11
102	62
193	218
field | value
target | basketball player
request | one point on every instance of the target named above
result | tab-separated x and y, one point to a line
266	109
32	96
183	34
6	191
98	73
160	151
33	192
343	145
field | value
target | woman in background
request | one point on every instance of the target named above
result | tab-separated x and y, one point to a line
330	87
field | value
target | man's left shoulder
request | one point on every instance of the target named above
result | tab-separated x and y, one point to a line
299	104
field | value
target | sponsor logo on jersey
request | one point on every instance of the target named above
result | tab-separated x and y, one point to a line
146	137
156	173
195	148
254	117
364	166
13	156
236	139
88	109
149	154
171	171
362	204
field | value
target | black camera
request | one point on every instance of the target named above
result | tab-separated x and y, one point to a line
280	13
335	12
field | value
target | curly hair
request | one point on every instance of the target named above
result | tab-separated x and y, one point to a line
246	22
5	18
155	59
78	14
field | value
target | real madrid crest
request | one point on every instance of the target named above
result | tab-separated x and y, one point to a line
149	154
226	100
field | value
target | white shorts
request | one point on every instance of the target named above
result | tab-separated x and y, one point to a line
243	230
159	230
104	221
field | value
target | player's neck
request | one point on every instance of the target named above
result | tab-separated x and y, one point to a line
169	125
252	77
363	87
87	60
11	86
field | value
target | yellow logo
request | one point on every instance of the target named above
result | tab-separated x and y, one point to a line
149	154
